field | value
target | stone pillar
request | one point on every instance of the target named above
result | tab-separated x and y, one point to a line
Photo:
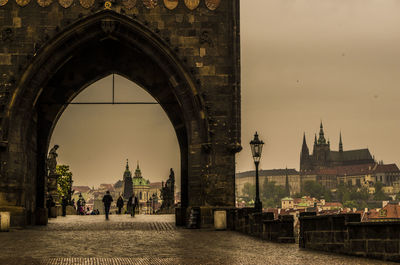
52	187
52	190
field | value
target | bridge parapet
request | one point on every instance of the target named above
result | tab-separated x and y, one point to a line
264	225
346	234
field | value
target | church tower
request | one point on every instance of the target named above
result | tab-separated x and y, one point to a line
340	144
128	185
321	150
305	162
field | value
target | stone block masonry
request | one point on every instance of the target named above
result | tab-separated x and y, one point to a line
262	225
346	234
186	54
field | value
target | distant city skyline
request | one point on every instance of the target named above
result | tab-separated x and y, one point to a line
335	61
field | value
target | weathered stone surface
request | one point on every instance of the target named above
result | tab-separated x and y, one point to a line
189	60
378	240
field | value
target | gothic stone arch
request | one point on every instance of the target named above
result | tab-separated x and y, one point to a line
187	60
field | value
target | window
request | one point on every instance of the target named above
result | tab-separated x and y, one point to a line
358	182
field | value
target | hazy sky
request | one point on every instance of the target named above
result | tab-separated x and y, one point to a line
96	140
303	61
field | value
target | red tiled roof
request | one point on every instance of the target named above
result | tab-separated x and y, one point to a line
297	200
81	188
354	170
347	170
390	211
390	168
109	187
333	204
156	185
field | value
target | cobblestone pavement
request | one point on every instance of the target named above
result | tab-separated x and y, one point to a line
147	239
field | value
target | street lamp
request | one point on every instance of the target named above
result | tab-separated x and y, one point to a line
256	150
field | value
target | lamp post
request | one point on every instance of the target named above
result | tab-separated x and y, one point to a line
256	150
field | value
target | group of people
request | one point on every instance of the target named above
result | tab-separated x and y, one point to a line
131	204
107	200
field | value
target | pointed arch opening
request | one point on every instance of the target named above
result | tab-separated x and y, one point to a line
84	53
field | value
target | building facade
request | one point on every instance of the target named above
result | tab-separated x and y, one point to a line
281	177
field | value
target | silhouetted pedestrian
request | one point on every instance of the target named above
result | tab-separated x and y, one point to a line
107	199
129	205
134	205
64	203
120	204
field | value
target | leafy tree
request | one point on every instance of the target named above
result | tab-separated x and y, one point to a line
350	204
249	192
379	195
313	189
64	181
362	205
360	194
272	194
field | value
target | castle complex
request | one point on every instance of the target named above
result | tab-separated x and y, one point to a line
323	157
354	168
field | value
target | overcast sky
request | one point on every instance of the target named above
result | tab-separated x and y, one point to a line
303	61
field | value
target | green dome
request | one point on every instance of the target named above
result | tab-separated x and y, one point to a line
140	182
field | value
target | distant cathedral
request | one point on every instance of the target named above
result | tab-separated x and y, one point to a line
323	157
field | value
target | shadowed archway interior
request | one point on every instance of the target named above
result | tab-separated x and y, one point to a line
88	51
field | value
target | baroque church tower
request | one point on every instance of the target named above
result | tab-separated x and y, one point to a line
128	184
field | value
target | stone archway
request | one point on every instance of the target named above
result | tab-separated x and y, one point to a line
86	52
193	74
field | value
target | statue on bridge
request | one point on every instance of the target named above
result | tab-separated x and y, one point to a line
168	192
52	160
52	175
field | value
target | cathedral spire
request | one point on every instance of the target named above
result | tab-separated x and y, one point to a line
321	139
340	143
304	148
127	165
315	139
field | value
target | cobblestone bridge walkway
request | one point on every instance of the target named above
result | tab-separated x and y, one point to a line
147	239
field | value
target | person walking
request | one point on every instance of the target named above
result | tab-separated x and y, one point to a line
134	205
78	207
107	199
120	204
64	203
129	205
